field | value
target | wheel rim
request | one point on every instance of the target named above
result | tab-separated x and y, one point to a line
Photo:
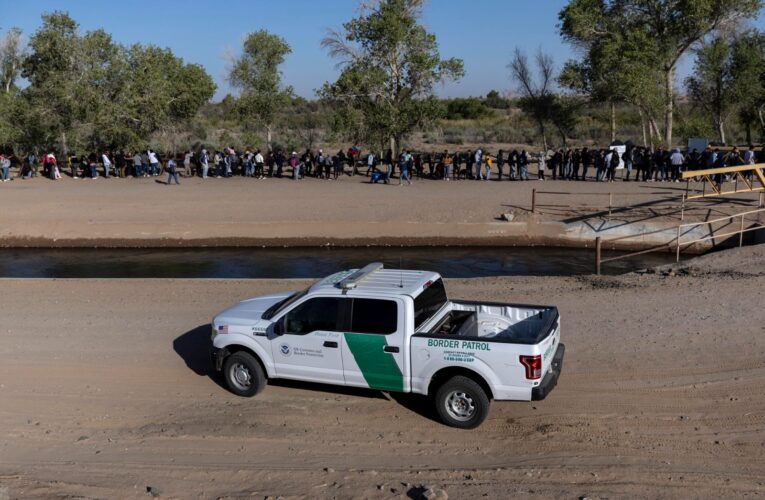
460	405
240	376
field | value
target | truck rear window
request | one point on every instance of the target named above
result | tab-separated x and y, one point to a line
374	316
428	302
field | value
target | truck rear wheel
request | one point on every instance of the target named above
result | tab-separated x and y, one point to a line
244	375
461	402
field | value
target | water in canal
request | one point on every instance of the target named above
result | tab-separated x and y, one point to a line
450	262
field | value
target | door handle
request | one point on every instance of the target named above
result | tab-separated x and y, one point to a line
390	348
330	344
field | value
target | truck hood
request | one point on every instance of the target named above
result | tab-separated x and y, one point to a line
248	311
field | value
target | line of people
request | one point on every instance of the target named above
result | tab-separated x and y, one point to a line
637	163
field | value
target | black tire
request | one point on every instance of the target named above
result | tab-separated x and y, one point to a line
461	402
244	375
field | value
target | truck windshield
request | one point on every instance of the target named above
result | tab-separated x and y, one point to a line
428	302
274	309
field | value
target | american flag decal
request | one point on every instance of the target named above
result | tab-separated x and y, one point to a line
223	329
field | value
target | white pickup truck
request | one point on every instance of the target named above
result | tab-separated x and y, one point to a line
392	330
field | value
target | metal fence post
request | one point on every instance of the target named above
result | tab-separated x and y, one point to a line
610	203
598	244
677	245
682	209
741	234
533	200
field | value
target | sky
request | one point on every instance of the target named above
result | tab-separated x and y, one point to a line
483	33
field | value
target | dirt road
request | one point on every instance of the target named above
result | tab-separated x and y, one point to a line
105	391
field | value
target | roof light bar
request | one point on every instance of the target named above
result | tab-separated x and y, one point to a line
354	279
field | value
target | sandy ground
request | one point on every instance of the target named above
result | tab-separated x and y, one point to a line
145	212
105	390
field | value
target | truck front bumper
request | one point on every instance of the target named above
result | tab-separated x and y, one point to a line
551	379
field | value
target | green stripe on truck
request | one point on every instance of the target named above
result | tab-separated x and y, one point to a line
378	367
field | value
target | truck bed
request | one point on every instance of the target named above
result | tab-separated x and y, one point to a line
492	322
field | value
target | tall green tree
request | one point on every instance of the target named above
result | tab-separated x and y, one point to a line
748	71
52	70
390	66
256	74
711	85
674	26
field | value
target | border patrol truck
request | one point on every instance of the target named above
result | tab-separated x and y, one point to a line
392	330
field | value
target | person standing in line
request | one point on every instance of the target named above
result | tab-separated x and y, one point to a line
295	165
187	172
487	165
403	168
676	160
500	163
107	163
153	163
603	171
597	163
512	164
541	165
446	161
628	158
576	160
92	164
5	168
456	165
613	166
523	165
172	175
137	165
204	162
586	162
371	163
554	161
259	163
469	157
74	163
478	161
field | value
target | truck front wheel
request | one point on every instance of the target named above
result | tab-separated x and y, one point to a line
461	402
244	375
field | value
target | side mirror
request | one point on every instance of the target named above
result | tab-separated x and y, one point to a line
279	327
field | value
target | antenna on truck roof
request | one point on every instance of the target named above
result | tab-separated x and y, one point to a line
400	273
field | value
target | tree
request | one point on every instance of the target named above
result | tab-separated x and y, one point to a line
673	26
537	97
53	73
12	53
256	74
88	91
390	66
748	71
711	85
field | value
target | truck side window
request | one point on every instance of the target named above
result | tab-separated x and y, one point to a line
374	316
320	313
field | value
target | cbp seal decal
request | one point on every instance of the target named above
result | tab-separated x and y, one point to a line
285	349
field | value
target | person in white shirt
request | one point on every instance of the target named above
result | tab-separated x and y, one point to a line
259	165
154	162
478	162
107	164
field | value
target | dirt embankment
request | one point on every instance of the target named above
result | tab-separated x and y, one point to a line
349	212
105	390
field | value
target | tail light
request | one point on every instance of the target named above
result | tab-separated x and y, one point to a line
533	366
